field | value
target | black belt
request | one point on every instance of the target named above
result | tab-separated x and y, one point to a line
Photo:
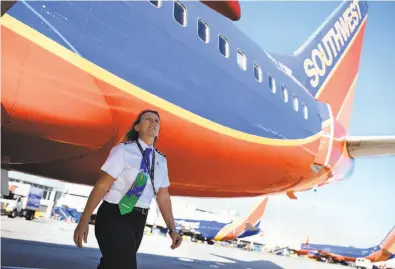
141	210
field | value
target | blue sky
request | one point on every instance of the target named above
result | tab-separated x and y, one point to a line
358	211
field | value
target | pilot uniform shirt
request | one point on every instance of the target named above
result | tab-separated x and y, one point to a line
123	163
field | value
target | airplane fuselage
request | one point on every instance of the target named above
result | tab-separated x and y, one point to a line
340	250
341	253
211	230
76	74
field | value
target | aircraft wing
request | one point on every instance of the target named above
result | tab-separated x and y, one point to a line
370	146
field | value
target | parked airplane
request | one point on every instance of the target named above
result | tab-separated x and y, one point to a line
382	252
203	227
75	75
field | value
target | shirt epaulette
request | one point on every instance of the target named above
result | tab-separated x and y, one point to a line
128	142
160	152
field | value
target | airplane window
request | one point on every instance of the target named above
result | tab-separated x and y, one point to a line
223	46
305	112
272	84
203	31
180	13
157	3
257	72
284	94
241	59
296	103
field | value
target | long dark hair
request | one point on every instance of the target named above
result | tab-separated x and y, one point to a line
132	134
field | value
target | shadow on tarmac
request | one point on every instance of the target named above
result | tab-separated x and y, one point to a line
23	253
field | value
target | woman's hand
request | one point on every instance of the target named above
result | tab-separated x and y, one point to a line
99	190
81	233
177	239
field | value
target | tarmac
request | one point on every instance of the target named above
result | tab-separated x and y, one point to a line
48	244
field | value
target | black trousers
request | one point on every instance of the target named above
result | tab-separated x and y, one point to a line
119	236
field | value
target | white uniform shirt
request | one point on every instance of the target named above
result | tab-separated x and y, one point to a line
123	163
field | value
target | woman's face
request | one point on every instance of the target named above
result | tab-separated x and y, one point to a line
149	125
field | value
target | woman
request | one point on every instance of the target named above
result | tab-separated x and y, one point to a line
126	186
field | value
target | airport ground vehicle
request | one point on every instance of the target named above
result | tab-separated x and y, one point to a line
361	263
23	200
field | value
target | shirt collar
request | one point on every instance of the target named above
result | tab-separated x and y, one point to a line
144	145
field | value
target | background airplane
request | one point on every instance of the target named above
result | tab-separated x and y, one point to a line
339	254
204	227
75	74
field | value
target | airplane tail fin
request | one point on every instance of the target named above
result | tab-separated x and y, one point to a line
256	215
305	243
307	240
329	59
251	225
388	242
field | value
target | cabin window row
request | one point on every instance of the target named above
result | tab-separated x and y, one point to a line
203	31
285	96
179	11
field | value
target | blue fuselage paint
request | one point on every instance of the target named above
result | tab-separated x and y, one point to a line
209	229
340	250
147	47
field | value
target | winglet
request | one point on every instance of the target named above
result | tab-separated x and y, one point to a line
291	195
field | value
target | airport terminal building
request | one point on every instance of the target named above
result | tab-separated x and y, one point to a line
55	192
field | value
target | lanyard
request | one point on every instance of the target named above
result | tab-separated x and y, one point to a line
151	171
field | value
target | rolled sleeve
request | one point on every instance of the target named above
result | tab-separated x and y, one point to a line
115	162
